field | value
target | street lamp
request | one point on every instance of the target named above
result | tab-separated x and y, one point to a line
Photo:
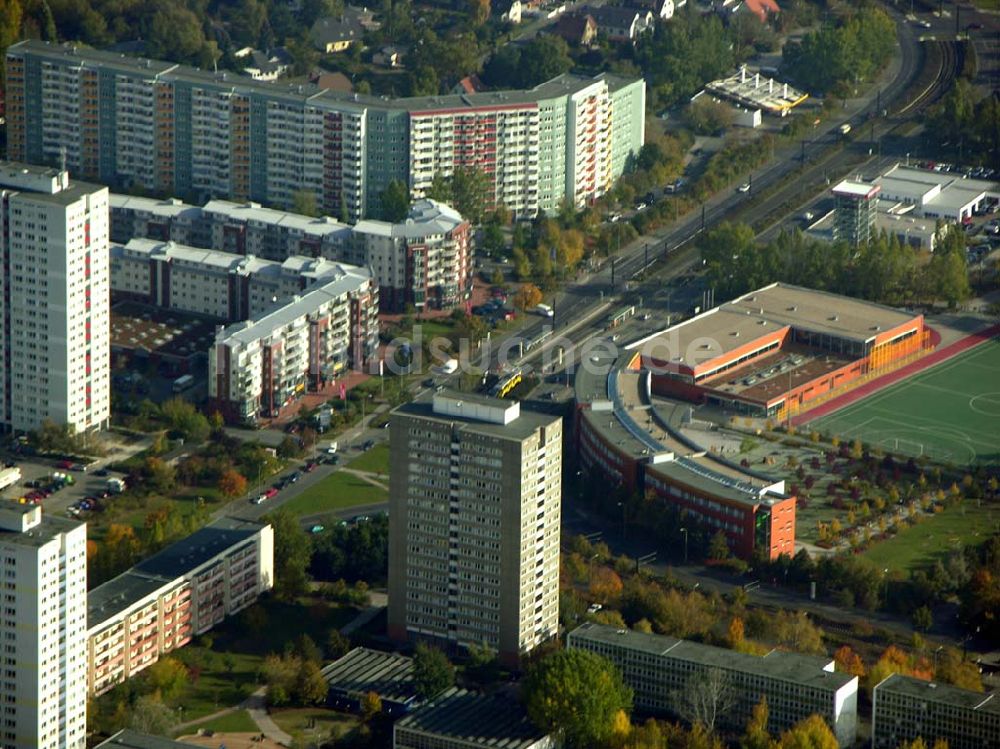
685	532
622	505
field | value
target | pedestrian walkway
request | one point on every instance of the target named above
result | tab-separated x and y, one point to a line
377	601
256	707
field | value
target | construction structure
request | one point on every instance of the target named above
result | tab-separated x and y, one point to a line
756	91
855	211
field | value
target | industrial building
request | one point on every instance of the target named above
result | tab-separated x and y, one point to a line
659	669
475	492
55	349
934	195
855	211
424	260
176	130
43	692
363	671
174	595
905	708
755	91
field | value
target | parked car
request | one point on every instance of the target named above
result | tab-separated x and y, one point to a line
310	467
102	472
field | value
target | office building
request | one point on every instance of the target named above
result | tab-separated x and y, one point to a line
933	194
175	130
178	593
474	487
43	689
459	719
855	211
424	260
54	300
904	708
658	669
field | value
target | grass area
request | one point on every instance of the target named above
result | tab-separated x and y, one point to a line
238	722
950	412
375	460
336	492
925	543
314	722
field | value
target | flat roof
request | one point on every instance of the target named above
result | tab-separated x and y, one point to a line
119	593
478	719
952	191
390	675
46	530
424	218
190	553
700	472
171	207
855	189
129	739
308	93
757	91
945	694
519	429
735	324
806	670
255	212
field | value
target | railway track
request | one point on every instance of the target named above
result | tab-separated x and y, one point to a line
946	60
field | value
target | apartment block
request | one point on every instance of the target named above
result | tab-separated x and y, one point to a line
177	130
178	593
904	708
424	260
257	366
474	488
658	669
54	300
43	627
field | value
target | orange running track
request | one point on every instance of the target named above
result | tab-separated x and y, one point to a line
960	346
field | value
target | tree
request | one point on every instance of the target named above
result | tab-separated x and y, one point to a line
472	190
718	547
304	203
527	297
371	705
736	632
232	483
923	619
10	27
541	59
395	202
707	695
337	644
756	735
175	33
577	695
185	420
605	585
149	715
432	671
310	685
707	116
809	733
479	11
849	662
292	551
168	676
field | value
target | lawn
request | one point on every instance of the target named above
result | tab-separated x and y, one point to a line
950	412
923	544
237	722
375	460
314	722
336	492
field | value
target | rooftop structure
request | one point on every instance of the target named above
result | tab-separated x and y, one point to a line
757	91
129	739
458	719
389	675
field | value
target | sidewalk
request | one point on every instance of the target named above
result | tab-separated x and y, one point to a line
256	706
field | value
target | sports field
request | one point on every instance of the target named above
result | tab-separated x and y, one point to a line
950	412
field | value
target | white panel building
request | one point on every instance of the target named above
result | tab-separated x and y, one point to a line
54	300
43	630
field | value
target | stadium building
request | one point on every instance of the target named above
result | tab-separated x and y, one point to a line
770	352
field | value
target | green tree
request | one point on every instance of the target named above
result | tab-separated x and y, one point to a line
168	676
304	203
185	420
923	619
809	733
718	547
149	715
432	671
175	33
756	735
395	202
310	686
479	11
577	695
292	552
472	191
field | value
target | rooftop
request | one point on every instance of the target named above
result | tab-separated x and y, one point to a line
806	670
479	720
426	217
44	184
698	342
925	187
38	527
522	427
757	91
302	93
120	593
944	694
129	739
169	208
709	475
855	189
200	547
250	212
360	671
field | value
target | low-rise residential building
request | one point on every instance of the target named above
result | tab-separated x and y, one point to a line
180	592
905	708
265	66
659	668
336	33
259	365
621	24
508	10
576	29
363	671
459	719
